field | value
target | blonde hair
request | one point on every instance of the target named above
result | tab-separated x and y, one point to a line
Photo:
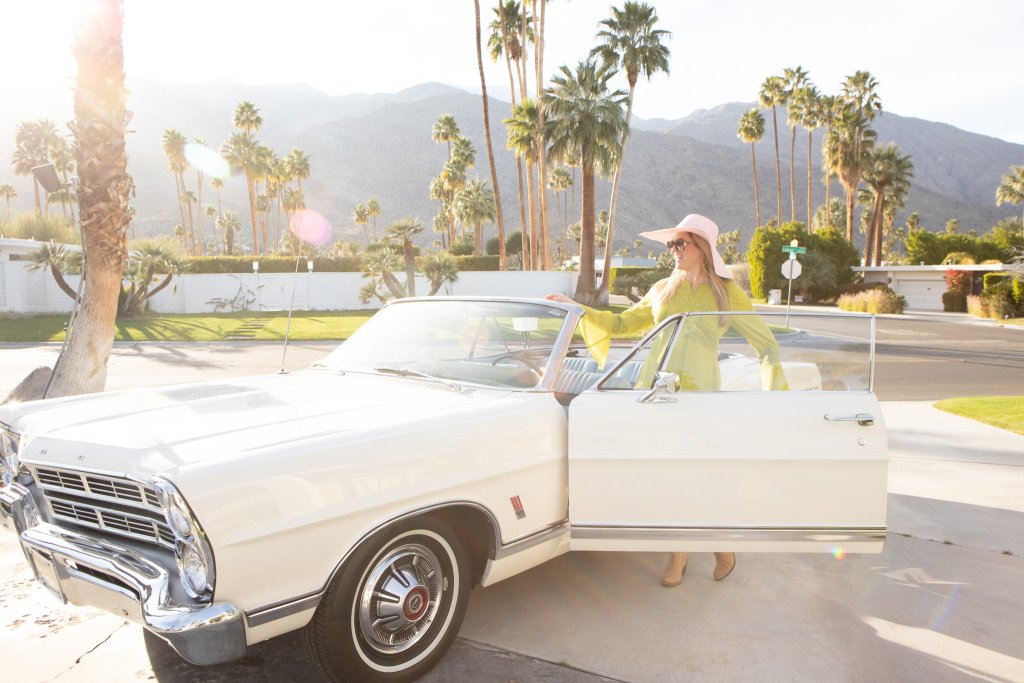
719	284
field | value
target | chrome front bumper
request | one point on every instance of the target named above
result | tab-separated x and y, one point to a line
88	571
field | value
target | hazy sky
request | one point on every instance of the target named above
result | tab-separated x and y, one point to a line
954	61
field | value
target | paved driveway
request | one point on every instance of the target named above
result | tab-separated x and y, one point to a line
943	602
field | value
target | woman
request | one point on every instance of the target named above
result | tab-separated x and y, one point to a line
700	282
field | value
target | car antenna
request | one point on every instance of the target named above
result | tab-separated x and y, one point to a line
288	325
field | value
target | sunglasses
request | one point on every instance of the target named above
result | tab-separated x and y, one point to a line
679	243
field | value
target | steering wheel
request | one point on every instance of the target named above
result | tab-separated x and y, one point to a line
520	357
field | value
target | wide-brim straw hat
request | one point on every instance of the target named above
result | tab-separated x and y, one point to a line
694	224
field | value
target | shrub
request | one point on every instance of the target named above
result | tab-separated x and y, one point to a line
271	264
462	246
49	228
954	302
513	244
873	301
958	281
765	257
476	263
1018	290
858	287
996	278
958	258
1000	300
741	276
976	306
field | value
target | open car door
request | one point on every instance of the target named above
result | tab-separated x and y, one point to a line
657	466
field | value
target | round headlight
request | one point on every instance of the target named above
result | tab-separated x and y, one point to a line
178	520
194	571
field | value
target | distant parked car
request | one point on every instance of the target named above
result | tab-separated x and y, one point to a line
450	442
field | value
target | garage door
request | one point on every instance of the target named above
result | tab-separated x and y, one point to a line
922	295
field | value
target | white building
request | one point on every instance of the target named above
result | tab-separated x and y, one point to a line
922	286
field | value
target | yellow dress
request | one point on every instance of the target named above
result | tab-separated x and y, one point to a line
695	355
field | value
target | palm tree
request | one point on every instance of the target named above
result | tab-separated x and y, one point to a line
64	165
198	237
247	117
103	192
360	216
559	181
524	139
794	78
487	137
439	267
543	229
229	223
773	94
144	262
173	145
861	104
808	101
404	230
751	130
507	39
445	130
218	184
827	110
58	259
474	204
1010	190
298	166
586	119
242	151
33	141
7	193
630	41
887	175
372	211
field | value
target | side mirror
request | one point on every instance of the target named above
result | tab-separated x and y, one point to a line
664	383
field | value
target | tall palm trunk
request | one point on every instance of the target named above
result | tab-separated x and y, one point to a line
869	238
519	168
181	209
104	188
602	290
778	169
585	284
757	201
491	151
251	186
792	175
199	212
532	199
809	215
542	164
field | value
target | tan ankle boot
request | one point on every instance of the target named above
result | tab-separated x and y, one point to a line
724	564
674	571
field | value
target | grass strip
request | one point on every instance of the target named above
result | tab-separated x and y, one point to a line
1005	412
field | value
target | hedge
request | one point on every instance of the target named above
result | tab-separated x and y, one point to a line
269	264
765	256
995	278
933	248
476	263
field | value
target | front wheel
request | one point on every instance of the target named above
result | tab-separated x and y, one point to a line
396	606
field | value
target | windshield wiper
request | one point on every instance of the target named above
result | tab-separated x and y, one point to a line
406	372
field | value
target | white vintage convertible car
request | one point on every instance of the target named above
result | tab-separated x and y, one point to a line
450	442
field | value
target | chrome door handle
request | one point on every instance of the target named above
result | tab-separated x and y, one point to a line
863	419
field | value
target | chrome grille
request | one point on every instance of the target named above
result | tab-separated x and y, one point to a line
114	505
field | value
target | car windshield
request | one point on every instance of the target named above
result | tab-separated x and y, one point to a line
493	343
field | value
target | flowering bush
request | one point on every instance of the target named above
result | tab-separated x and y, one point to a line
958	281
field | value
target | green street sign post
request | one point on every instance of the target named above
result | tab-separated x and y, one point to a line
792	271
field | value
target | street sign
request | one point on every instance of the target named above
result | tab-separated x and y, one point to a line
791	269
794	250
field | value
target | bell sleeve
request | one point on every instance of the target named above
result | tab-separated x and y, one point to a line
761	339
597	327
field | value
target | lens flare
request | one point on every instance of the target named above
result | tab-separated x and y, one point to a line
838	553
310	227
206	160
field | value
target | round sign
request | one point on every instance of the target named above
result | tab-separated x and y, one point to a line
791	269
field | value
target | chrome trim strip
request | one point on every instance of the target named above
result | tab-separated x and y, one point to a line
778	534
548	533
280	610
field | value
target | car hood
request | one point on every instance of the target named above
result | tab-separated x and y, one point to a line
147	431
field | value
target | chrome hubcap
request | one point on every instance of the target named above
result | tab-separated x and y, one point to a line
400	598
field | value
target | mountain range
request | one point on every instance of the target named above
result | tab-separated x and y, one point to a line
379	145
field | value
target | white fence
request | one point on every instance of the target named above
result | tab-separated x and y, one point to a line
25	292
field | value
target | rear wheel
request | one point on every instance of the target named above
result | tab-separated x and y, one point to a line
396	606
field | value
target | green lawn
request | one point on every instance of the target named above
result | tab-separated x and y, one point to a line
265	326
1005	412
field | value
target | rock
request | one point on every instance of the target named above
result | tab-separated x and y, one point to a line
31	388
